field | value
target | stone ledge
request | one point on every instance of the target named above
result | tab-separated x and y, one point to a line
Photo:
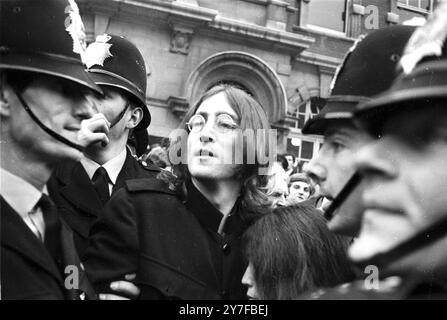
296	41
327	63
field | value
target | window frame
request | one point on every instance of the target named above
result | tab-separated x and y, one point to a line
324	30
409	7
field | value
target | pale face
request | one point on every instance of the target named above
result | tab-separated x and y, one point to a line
277	189
333	167
59	104
209	150
248	279
405	186
289	162
300	190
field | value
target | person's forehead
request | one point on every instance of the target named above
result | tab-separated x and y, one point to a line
60	86
112	91
344	128
216	104
300	183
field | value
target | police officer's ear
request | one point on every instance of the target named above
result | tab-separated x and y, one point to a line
136	115
5	108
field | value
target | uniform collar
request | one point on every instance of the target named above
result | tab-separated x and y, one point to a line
208	215
113	166
18	193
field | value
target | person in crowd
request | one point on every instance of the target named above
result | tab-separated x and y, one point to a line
368	69
45	95
48	115
181	232
81	188
276	188
290	250
300	188
292	166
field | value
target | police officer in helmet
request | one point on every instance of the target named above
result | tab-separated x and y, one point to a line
82	188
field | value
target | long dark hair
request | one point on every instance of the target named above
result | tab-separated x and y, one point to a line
252	117
293	251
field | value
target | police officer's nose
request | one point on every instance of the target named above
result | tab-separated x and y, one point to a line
247	278
315	171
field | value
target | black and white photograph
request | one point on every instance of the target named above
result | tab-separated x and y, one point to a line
223	154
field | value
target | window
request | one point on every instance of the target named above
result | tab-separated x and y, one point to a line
328	14
299	111
304	148
423	6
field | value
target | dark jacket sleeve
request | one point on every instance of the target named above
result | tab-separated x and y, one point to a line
113	248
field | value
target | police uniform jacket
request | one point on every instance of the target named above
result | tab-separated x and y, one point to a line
172	245
28	271
77	201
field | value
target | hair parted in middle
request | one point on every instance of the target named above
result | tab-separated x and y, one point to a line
252	117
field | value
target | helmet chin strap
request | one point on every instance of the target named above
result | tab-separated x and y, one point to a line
117	119
120	116
349	187
420	240
45	128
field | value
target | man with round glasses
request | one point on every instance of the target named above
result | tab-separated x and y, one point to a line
181	233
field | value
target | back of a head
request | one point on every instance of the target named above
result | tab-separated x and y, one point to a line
293	251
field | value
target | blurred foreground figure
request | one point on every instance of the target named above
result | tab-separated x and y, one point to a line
45	94
404	229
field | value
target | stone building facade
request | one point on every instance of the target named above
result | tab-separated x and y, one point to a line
284	52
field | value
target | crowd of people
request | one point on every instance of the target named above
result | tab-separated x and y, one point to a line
213	213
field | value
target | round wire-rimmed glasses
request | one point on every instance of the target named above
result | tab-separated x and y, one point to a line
223	123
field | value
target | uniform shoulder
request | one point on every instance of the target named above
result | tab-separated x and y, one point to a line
149	184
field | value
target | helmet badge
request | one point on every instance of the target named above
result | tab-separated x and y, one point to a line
75	27
426	40
98	51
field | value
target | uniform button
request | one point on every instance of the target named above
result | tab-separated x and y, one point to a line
226	249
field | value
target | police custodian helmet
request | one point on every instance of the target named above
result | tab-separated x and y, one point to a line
424	72
116	62
367	70
43	36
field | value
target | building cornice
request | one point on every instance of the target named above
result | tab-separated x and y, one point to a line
327	64
293	41
195	15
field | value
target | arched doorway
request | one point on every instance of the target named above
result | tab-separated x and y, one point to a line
245	70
